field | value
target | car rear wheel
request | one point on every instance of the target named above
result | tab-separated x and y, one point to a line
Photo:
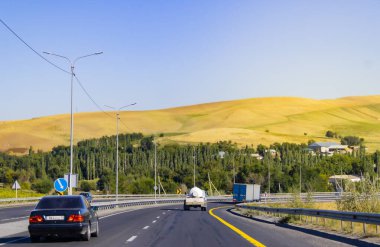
87	235
34	239
96	233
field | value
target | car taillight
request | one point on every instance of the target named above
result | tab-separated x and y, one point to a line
75	218
36	219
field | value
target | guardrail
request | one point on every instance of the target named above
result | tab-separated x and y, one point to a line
121	204
135	196
126	203
96	197
364	218
316	196
274	197
109	197
21	199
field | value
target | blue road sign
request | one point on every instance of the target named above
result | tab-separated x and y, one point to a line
60	184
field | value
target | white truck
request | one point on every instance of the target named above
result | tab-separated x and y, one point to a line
196	199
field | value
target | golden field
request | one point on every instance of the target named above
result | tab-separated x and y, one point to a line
247	121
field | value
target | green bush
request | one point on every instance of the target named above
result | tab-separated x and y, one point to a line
362	197
352	140
331	134
25	185
88	185
142	185
42	186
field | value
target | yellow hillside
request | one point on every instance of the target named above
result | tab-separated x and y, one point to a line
248	121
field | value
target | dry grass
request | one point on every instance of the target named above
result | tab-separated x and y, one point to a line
248	121
316	222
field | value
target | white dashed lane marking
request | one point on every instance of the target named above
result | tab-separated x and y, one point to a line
158	217
131	239
146	227
154	221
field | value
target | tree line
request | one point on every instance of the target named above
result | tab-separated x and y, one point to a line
95	163
345	140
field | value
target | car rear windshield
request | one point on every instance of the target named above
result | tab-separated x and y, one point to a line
59	202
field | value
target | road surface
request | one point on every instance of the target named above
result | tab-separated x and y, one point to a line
171	226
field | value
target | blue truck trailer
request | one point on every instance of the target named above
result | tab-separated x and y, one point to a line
246	192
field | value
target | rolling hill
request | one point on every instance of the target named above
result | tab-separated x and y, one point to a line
246	121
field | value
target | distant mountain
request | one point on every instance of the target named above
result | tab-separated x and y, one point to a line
246	122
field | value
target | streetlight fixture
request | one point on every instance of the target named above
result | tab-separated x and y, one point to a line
117	144
72	66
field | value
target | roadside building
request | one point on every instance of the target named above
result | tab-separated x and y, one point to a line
221	154
329	148
339	181
351	178
257	156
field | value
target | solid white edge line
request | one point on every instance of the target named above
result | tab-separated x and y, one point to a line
131	238
13	241
146	227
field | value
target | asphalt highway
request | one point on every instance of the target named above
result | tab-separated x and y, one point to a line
15	213
171	226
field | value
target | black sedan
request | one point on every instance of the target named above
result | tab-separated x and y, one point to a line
63	216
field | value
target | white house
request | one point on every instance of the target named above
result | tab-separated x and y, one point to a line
328	147
257	156
352	178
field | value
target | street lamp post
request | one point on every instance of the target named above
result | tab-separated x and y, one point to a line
155	172
300	177
117	145
194	166
72	66
269	176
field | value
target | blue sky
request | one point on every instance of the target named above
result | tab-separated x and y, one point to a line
163	54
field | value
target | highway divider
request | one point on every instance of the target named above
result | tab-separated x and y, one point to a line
110	199
274	197
146	202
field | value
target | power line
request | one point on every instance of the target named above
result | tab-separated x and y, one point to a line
53	64
89	96
63	70
96	104
38	54
126	126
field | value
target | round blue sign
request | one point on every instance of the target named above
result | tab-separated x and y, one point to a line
60	185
